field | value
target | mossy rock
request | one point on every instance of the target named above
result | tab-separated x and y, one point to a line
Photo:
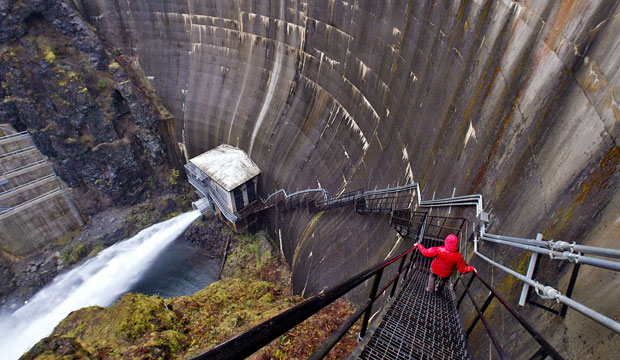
77	253
96	250
135	325
57	347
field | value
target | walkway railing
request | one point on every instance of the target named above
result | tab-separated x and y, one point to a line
545	348
30	201
466	200
560	250
252	340
221	204
408	223
548	292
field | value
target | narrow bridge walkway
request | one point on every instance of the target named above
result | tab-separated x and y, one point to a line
418	325
315	200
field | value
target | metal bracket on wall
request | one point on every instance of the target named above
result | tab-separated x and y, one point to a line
530	272
569	289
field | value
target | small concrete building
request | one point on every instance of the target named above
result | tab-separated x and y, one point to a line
226	180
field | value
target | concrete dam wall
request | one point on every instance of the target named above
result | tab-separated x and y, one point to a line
517	101
34	205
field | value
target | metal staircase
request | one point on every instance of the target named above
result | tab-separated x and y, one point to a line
419	325
415	324
316	200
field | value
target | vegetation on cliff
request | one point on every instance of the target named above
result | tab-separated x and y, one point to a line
102	130
254	288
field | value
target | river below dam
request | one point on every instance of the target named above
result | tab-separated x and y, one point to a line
151	262
182	269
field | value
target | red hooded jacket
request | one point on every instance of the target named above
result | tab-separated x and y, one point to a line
447	258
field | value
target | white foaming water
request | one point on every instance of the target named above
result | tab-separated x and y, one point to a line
98	281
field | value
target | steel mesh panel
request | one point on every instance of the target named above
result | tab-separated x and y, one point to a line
419	325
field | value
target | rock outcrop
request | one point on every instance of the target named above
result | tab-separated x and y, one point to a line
101	131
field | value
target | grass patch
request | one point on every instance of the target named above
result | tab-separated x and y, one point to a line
64	240
101	85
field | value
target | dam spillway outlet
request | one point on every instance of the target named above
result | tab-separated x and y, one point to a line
100	281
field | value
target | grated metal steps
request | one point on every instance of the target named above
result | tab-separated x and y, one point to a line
419	325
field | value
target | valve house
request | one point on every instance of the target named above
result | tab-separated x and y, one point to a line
226	180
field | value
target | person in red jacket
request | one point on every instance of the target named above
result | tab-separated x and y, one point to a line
447	258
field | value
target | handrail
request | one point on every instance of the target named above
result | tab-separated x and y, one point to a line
557	255
547	348
465	200
220	204
286	196
7	129
548	292
255	338
557	245
207	190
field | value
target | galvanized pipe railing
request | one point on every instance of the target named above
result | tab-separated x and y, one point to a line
465	200
548	292
558	255
556	245
245	344
57	190
33	164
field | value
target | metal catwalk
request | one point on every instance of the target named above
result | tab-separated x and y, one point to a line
419	325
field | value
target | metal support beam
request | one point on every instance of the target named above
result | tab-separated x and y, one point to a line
373	294
529	274
571	287
484	307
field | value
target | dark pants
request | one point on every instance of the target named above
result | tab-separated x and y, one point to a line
435	283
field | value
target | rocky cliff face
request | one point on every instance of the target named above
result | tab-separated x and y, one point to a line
59	83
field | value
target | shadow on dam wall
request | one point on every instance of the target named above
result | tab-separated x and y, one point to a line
517	101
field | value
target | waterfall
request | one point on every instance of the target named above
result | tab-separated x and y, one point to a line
98	281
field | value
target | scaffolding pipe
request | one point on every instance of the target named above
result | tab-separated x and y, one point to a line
548	292
557	255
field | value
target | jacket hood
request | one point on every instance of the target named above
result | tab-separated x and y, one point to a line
452	243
